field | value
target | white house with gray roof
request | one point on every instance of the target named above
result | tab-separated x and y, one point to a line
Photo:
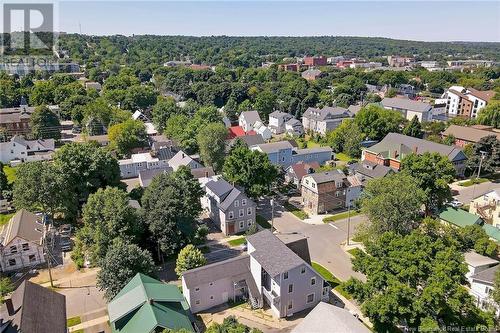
160	159
271	272
283	154
321	121
482	286
409	108
21	242
277	121
294	127
248	119
19	149
181	158
227	206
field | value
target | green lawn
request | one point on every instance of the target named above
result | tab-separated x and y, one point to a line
355	252
237	241
74	321
261	220
10	172
295	211
4	218
471	182
312	144
340	216
344	157
334	282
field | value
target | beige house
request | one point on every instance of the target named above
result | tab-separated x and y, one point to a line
324	191
487	207
21	242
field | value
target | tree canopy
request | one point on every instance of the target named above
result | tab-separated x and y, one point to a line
212	143
45	124
376	122
127	135
188	258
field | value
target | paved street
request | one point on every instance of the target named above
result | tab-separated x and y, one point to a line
466	194
324	240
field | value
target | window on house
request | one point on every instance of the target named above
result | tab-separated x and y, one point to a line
231	214
290	288
242	224
290	305
211	284
197	302
241	212
12	262
282	158
249	223
302	270
196	289
13	249
249	211
313	185
285	275
32	258
211	297
243	202
313	281
236	203
310	298
26	246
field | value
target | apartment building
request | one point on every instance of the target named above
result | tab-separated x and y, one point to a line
324	191
321	121
271	273
409	108
398	61
315	61
465	102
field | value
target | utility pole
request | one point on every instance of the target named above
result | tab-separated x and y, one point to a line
483	156
348	221
47	256
272	214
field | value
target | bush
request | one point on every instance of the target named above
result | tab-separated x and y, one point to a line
200	236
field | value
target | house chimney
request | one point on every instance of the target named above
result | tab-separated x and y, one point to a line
183	155
10	306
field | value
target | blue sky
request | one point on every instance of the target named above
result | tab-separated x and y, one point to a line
414	20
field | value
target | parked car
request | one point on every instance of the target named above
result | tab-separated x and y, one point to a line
65	243
455	203
76	130
65	230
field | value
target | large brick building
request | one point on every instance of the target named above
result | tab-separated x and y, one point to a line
315	61
324	192
394	147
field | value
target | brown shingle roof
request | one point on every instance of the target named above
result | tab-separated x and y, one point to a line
468	133
37	309
485	95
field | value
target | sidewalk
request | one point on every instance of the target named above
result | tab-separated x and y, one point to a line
61	283
88	324
353	308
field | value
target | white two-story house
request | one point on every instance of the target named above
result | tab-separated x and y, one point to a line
227	206
248	119
277	121
22	241
19	149
271	273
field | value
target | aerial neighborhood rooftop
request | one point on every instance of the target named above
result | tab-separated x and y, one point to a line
155	182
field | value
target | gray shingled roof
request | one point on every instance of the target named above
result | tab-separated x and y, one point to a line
371	169
406	145
488	275
219	187
249	140
228	200
146	176
250	116
326	112
406	104
279	114
37	309
216	271
275	146
23	224
272	254
328	176
328	318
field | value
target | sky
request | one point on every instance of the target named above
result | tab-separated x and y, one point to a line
413	20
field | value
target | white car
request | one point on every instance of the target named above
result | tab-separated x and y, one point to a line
455	203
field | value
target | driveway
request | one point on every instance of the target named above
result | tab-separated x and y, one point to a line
324	240
467	194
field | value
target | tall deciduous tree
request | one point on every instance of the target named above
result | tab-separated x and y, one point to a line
86	167
376	122
127	135
392	203
490	115
171	203
490	146
190	257
346	139
40	186
106	216
212	143
121	263
432	172
163	110
45	124
250	169
415	280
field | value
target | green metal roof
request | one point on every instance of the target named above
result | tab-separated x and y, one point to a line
492	232
459	217
145	304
